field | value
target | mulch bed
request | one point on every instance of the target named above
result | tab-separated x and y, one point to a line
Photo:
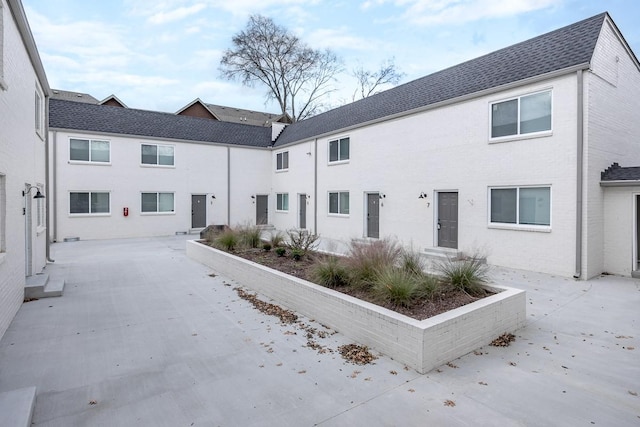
445	301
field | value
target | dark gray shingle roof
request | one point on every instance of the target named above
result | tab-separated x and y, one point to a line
239	115
563	48
73	96
615	172
103	118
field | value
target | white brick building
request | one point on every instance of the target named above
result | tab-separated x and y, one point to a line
23	96
502	154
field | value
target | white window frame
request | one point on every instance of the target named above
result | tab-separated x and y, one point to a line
518	134
284	155
39	111
40	210
157	164
339	213
282	202
339	142
517	225
3	214
3	83
90	142
77	214
158	211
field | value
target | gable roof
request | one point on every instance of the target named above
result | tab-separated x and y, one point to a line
566	48
236	115
73	96
114	101
82	116
615	172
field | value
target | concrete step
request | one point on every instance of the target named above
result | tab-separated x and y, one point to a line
440	254
16	407
41	286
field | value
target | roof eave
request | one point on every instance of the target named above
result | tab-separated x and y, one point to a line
621	183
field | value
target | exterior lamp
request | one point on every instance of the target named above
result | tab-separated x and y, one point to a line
38	195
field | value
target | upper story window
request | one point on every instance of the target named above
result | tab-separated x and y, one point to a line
282	202
3	84
39	112
339	150
523	115
89	150
155	154
339	202
89	202
528	206
157	203
282	161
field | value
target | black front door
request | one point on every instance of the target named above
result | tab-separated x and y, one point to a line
373	215
198	211
262	210
448	220
302	210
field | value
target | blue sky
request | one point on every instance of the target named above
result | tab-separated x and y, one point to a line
163	54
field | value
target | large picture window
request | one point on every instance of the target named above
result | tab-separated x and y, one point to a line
160	155
282	161
90	202
339	203
521	206
339	150
157	202
89	150
282	201
520	116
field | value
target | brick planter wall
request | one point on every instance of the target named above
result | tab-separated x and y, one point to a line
422	345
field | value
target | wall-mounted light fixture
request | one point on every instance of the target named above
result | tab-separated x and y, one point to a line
308	196
213	196
253	197
382	196
38	195
422	195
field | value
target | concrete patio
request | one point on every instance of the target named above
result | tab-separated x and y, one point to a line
145	336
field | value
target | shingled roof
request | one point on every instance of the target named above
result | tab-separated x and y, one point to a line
80	116
615	172
564	48
73	96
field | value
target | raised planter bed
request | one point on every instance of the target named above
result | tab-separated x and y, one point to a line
420	344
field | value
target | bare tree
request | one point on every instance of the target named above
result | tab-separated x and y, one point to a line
370	82
297	76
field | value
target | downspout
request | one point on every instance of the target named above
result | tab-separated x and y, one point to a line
229	186
54	165
315	186
579	171
47	193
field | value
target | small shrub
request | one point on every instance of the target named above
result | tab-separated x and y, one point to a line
277	239
266	247
426	286
366	260
280	251
466	274
302	240
412	262
227	240
331	273
250	235
297	254
396	285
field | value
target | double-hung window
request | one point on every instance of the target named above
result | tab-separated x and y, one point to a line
282	161
527	206
339	150
39	112
89	150
157	203
282	202
155	154
339	203
89	202
528	114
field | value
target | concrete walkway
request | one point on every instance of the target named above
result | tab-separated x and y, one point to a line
144	336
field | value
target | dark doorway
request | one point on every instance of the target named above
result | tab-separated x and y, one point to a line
262	210
302	211
198	211
373	215
448	220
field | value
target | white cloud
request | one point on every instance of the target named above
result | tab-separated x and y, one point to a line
338	38
175	14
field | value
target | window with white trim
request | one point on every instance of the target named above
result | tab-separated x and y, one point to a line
339	150
527	114
282	161
339	203
89	202
40	212
156	154
39	111
3	208
529	206
89	150
282	202
157	203
3	84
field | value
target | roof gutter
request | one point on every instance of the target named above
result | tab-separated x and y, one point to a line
579	173
621	183
435	105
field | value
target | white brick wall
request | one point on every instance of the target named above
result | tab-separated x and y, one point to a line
21	162
618	229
